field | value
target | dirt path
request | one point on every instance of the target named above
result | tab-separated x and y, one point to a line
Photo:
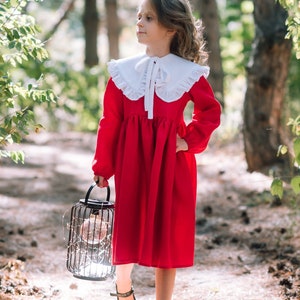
244	248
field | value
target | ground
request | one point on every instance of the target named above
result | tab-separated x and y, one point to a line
246	243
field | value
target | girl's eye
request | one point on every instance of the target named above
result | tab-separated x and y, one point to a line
147	18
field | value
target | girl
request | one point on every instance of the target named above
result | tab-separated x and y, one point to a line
145	143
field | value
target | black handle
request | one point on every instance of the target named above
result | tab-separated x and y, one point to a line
87	196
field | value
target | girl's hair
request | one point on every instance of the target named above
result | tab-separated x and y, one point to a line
188	40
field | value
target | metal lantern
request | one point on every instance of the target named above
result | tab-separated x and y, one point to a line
90	237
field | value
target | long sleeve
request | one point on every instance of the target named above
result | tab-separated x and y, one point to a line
108	132
206	116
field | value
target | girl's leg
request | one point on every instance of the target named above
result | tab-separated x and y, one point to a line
123	279
165	280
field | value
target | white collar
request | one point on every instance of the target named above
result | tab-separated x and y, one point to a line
141	75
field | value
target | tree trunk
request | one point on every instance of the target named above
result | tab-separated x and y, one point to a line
91	23
209	14
113	27
267	72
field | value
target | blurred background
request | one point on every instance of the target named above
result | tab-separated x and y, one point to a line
54	55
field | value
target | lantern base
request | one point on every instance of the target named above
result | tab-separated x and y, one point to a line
95	272
91	278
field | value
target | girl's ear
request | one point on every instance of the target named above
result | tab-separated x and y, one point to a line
171	32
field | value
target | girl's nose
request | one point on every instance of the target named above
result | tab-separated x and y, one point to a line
139	23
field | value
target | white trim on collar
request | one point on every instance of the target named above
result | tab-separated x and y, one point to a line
141	75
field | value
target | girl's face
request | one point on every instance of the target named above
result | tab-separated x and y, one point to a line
149	31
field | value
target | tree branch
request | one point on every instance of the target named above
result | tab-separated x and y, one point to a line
63	12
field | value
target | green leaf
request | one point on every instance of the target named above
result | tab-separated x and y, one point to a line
19	59
28	29
17	156
295	183
19	46
9	139
51	96
4	153
24	57
277	188
16	137
10	103
34	53
282	149
12	61
297	150
11	45
23	30
16	34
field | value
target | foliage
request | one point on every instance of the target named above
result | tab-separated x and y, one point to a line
237	35
293	22
277	184
79	88
293	25
80	93
293	92
78	106
17	99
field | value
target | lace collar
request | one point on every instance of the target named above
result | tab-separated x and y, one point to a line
169	77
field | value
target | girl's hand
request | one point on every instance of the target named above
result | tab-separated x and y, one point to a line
101	181
181	144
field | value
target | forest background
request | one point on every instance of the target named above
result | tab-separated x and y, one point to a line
53	58
54	68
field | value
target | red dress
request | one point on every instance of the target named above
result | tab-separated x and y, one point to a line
155	186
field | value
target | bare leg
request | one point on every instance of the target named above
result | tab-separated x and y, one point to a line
165	280
123	279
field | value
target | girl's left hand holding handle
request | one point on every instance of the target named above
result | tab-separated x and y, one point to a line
101	181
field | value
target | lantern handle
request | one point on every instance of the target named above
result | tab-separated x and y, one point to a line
91	188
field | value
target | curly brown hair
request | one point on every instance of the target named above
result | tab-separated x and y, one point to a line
188	41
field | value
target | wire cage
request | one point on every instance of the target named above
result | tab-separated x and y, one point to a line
90	237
